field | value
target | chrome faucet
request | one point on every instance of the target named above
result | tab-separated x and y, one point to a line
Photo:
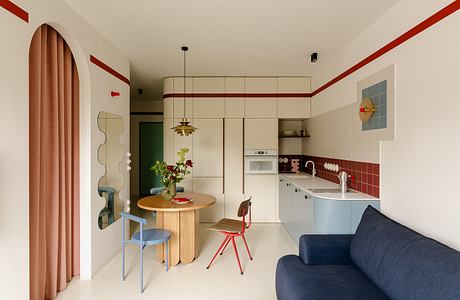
313	172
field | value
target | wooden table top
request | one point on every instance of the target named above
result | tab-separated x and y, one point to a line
157	203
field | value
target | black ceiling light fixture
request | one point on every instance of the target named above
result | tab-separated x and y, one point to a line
314	57
184	128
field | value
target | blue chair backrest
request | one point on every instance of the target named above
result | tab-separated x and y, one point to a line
133	218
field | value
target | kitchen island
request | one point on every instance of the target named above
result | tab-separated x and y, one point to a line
316	206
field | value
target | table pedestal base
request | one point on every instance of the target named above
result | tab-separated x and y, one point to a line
184	243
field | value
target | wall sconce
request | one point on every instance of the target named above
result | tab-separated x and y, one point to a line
366	110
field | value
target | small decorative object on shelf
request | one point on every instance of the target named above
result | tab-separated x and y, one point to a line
171	175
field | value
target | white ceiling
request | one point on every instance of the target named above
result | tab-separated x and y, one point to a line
226	37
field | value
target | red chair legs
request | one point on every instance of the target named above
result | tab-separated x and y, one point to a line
247	248
224	245
227	238
236	253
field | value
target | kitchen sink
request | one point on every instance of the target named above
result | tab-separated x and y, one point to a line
329	191
297	176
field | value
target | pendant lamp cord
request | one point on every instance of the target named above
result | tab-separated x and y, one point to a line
185	82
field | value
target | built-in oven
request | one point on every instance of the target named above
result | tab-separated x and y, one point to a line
259	161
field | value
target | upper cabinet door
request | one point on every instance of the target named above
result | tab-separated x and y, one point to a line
294	107
265	107
234	107
261	133
205	107
178	102
208	148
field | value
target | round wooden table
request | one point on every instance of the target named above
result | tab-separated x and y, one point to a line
182	220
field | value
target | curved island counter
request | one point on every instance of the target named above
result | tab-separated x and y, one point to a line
310	205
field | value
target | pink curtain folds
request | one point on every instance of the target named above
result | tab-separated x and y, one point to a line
54	208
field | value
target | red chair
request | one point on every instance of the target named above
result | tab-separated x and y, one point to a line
233	228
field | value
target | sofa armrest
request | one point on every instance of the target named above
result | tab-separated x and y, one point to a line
328	249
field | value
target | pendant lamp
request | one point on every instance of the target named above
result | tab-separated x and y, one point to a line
184	128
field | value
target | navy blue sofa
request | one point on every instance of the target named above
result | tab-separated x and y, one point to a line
383	260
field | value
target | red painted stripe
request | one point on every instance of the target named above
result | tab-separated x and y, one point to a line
108	69
15	10
238	95
446	11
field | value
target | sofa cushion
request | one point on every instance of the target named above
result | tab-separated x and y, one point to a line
403	263
296	280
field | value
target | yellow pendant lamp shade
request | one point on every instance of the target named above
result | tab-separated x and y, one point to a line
184	128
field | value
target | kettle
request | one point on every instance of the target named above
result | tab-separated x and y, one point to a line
343	181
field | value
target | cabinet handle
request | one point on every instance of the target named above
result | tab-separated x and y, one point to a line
296	190
306	197
288	184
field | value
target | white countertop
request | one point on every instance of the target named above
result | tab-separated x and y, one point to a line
306	182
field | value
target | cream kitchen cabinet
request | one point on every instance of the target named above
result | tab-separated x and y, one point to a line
233	166
208	107
178	102
263	189
261	107
234	107
211	186
178	143
261	133
212	108
296	108
208	147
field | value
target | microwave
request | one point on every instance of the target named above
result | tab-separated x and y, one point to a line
258	161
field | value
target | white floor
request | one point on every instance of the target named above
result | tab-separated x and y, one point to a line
267	242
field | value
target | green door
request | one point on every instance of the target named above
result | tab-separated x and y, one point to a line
151	150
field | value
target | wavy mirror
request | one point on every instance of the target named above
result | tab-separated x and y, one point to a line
110	154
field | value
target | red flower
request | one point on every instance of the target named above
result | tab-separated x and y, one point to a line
173	177
189	163
170	168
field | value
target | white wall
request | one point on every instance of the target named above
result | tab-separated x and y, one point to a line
420	168
97	247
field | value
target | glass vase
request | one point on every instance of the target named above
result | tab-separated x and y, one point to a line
169	192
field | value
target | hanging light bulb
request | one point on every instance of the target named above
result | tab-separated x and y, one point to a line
184	128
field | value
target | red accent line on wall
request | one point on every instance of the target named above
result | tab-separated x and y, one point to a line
108	69
15	10
239	95
446	11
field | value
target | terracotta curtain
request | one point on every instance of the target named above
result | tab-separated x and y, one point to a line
54	208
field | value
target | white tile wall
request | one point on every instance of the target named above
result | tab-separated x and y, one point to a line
338	134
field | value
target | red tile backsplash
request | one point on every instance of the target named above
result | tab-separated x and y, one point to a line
365	176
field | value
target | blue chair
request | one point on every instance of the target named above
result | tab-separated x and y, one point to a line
157	190
142	238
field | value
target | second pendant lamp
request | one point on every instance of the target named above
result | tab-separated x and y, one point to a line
184	128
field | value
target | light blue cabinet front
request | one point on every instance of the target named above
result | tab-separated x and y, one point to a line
357	210
331	216
301	213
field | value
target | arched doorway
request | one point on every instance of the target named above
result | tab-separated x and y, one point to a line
54	187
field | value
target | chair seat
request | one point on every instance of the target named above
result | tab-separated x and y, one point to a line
228	225
152	236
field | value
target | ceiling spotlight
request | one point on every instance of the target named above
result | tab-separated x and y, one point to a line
314	57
